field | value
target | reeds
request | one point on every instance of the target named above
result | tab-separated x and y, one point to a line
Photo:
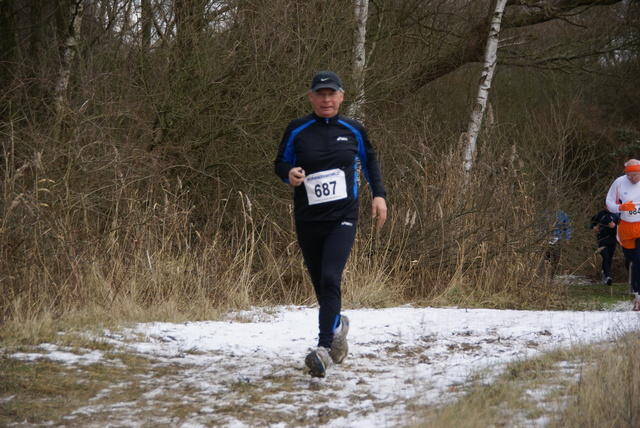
586	386
107	226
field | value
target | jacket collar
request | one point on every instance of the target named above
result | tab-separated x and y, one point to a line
326	119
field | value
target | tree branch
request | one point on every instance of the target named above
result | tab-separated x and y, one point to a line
520	14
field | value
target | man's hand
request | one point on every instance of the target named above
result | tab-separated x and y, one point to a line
379	210
296	176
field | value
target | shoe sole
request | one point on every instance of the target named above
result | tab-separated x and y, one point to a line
315	365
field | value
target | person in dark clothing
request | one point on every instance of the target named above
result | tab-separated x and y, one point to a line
321	155
561	236
605	224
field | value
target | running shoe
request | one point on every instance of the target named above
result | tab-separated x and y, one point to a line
318	361
339	346
636	306
609	280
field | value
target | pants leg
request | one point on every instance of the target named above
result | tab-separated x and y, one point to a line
607	258
632	257
552	255
326	248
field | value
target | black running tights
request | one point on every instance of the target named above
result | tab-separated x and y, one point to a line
633	260
326	247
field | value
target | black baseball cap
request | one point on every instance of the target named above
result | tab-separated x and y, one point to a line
326	79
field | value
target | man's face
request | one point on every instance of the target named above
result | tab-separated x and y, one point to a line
326	102
634	176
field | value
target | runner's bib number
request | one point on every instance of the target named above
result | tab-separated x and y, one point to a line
326	186
632	215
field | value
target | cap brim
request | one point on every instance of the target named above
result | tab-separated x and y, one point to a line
325	86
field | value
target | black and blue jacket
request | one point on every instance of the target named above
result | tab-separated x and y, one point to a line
318	144
606	234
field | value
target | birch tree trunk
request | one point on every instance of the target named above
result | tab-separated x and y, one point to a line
359	58
490	60
9	47
147	18
68	50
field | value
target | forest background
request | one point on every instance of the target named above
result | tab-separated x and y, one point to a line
138	140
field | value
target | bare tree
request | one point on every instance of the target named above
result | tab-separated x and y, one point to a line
488	68
147	22
8	42
189	18
70	31
452	34
359	57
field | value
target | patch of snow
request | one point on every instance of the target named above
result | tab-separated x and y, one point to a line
399	357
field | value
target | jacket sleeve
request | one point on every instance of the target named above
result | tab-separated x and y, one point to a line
285	159
371	168
613	199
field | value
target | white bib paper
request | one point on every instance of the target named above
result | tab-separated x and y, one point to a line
326	186
631	216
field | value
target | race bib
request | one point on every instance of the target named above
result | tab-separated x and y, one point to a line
631	216
326	186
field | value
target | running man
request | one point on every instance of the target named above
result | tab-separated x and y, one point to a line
605	226
620	199
320	155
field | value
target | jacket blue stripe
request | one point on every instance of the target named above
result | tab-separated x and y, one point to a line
362	156
289	155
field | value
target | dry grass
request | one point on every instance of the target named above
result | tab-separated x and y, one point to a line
152	196
591	386
96	227
138	249
42	391
608	393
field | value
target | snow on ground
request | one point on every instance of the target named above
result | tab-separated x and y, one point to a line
399	357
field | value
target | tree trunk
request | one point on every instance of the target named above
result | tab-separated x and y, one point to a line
8	43
359	58
475	38
68	50
189	24
147	22
488	68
